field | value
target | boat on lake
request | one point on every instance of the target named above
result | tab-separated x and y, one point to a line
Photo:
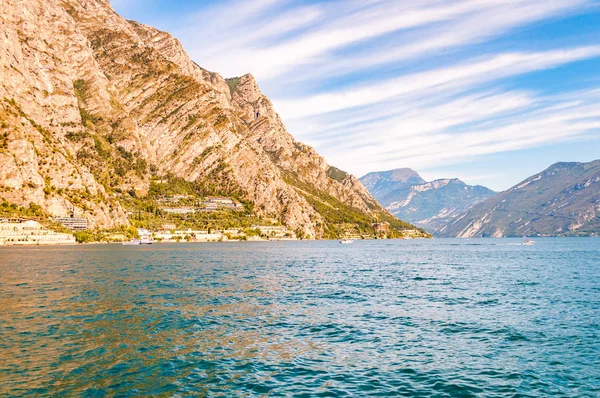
528	242
346	241
146	240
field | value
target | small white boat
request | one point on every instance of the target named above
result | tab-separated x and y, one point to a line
528	242
146	240
346	241
132	242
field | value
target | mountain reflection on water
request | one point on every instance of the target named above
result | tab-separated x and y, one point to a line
446	317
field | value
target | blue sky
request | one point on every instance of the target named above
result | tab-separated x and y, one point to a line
489	91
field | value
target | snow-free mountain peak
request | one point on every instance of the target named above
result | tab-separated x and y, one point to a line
430	205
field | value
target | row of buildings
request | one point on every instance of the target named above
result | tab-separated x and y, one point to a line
73	223
170	234
211	203
30	232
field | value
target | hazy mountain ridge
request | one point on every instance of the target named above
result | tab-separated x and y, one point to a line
386	186
93	105
430	205
563	200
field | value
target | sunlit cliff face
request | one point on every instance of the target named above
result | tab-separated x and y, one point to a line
94	105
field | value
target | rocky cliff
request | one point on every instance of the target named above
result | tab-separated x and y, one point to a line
430	205
93	106
563	200
387	186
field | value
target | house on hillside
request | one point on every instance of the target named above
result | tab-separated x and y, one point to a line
381	227
73	223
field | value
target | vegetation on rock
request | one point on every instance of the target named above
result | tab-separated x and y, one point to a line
120	105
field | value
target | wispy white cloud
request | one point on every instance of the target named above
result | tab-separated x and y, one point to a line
533	121
256	32
481	21
380	84
461	76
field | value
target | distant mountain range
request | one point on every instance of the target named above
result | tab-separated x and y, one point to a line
563	200
430	205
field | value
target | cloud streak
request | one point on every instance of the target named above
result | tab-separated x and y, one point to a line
450	137
462	75
382	84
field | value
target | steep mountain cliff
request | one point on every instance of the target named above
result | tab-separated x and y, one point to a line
93	106
563	200
430	205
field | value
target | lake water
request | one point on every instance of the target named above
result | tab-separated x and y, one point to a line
375	318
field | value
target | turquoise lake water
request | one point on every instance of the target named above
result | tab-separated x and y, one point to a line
489	318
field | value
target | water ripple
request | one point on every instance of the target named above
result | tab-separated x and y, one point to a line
443	318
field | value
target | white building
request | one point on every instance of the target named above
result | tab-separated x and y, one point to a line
179	210
31	233
73	223
220	200
193	236
275	231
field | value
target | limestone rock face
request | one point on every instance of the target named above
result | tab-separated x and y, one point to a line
42	54
92	105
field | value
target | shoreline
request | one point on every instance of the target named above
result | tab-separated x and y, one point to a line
20	244
70	244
